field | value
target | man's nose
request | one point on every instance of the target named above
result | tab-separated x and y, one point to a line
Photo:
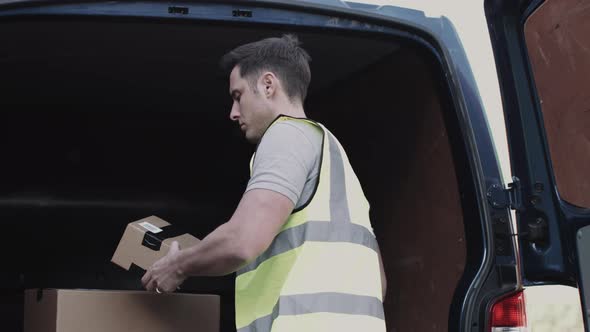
234	114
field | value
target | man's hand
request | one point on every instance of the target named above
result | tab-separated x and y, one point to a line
164	276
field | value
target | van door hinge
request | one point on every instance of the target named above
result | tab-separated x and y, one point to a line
511	197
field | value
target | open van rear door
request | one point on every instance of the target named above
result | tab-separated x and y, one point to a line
543	60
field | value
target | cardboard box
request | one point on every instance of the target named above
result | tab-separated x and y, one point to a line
59	310
147	240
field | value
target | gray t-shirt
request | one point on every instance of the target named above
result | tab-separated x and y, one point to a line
287	160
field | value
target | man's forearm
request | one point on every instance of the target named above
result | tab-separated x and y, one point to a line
217	254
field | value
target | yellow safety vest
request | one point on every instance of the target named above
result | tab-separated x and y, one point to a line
321	272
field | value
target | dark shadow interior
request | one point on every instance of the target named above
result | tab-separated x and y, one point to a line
104	123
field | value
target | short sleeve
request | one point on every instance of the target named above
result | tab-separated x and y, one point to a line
284	159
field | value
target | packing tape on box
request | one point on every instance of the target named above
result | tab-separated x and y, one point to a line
154	240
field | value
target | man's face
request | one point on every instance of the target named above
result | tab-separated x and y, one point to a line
250	108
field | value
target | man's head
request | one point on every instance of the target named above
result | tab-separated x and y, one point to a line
267	78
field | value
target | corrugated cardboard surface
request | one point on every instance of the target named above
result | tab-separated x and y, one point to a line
59	310
131	251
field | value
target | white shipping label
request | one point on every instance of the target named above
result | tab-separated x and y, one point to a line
150	227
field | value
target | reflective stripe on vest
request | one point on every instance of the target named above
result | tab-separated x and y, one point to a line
321	272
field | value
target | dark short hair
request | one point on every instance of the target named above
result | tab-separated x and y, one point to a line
282	56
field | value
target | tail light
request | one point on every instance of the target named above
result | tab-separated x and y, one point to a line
509	314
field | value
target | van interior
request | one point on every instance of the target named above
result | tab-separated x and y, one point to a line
105	122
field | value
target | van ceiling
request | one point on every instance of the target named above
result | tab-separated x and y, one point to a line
75	61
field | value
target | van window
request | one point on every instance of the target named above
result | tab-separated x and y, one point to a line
559	51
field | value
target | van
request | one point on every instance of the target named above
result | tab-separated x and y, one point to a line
466	122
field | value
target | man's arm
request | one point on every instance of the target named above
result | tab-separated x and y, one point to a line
278	177
257	220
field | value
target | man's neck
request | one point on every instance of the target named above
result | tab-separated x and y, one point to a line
292	110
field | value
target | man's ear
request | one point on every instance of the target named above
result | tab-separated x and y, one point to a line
269	84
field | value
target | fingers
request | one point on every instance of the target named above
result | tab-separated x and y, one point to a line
165	289
150	284
156	277
148	281
174	247
146	278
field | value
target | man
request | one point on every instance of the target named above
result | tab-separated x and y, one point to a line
300	239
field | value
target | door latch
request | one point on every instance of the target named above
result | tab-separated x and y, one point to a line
511	197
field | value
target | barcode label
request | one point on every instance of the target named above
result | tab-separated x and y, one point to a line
150	227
